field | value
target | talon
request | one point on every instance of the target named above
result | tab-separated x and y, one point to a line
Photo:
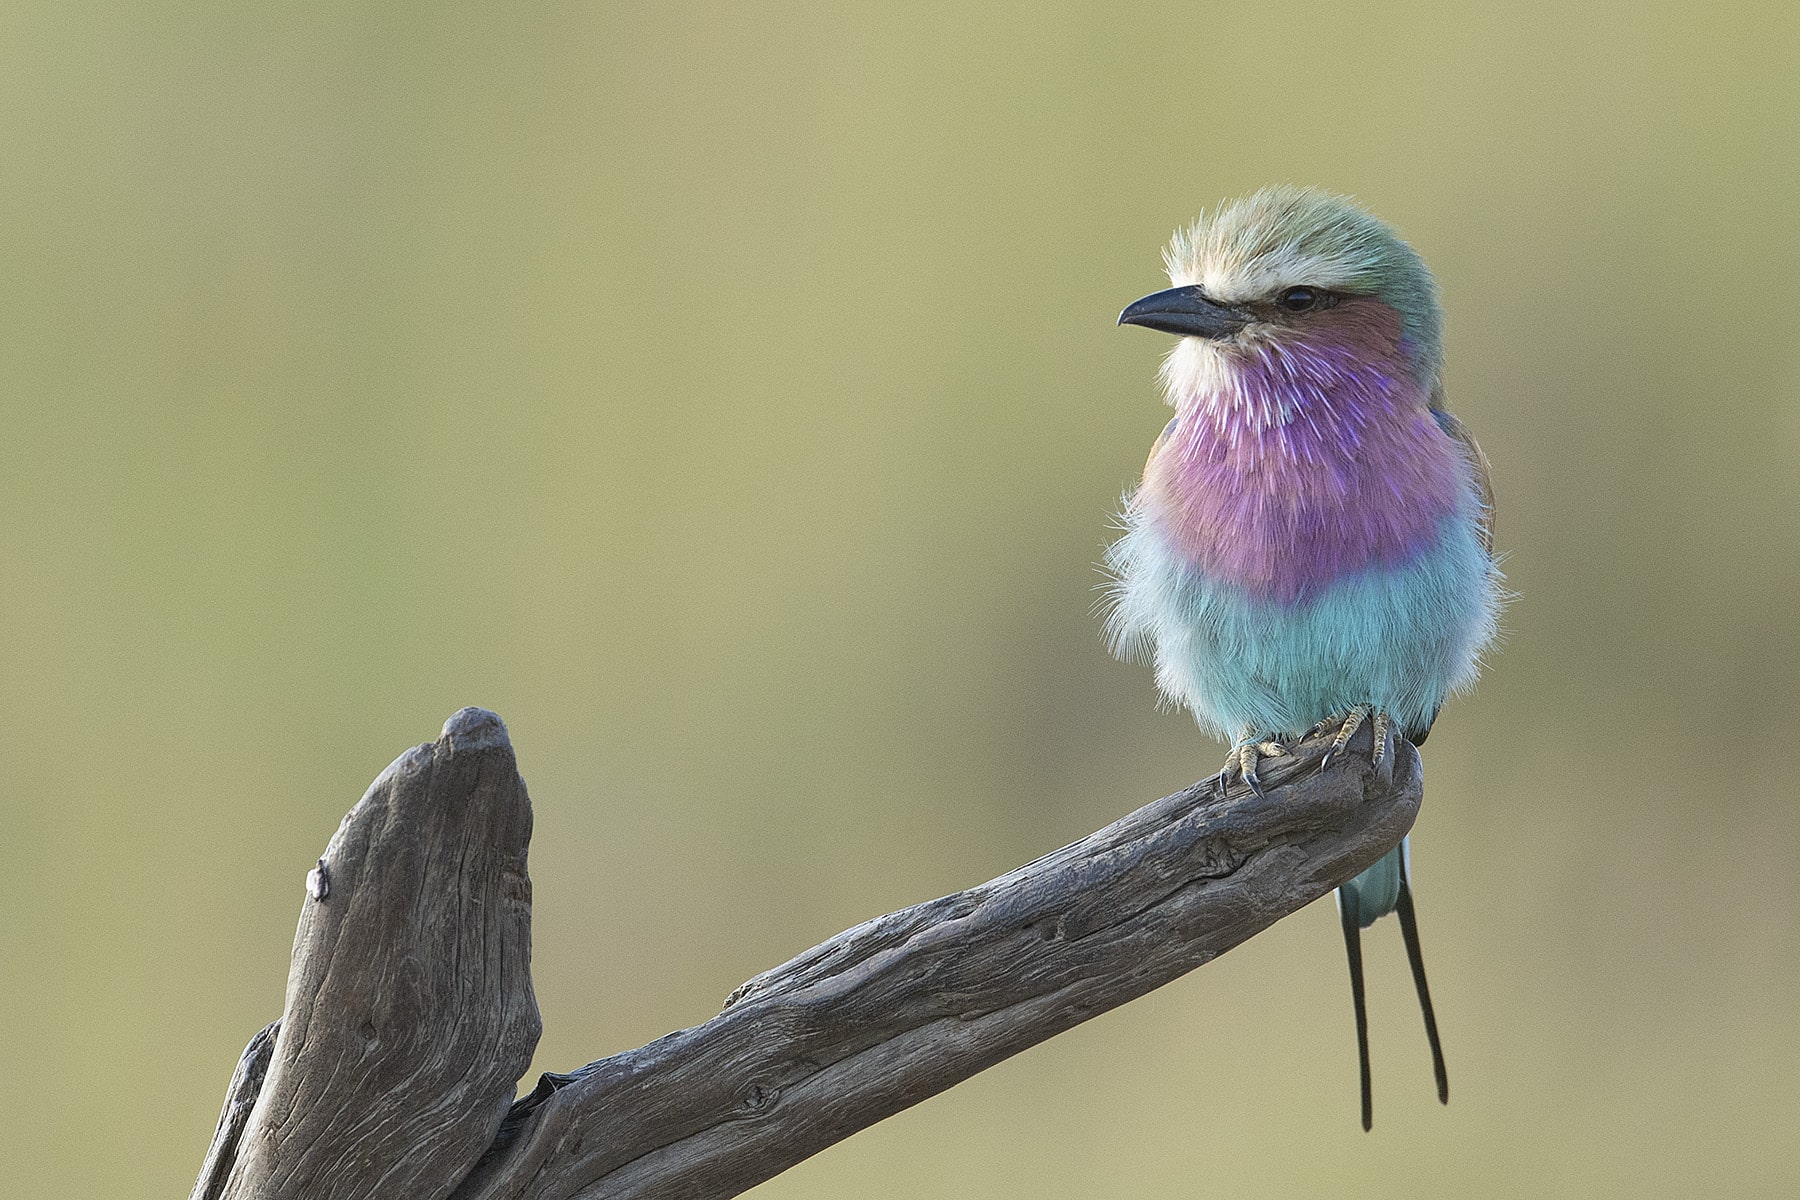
1247	766
1382	729
1244	756
1383	724
1321	727
1352	722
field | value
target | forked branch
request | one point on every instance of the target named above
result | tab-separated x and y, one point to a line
868	1023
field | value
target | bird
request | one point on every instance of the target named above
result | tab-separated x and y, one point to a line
1312	541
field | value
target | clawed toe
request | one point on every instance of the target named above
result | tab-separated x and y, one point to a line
1252	748
1352	721
1244	757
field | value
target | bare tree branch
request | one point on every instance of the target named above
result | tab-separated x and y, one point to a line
883	1015
409	1015
240	1099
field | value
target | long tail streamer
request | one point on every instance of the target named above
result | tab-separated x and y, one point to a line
1409	930
1353	949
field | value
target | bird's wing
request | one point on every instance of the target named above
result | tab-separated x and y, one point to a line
1478	463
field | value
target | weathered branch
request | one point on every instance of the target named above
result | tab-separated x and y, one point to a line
866	1024
240	1101
409	1015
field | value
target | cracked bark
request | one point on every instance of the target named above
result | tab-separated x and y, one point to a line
426	920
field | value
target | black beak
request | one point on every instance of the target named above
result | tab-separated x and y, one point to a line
1184	311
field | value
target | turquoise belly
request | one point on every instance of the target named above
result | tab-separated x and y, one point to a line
1401	638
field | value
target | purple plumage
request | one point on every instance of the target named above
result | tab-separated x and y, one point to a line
1317	459
1311	542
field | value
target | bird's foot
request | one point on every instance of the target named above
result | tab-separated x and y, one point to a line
1351	722
1245	755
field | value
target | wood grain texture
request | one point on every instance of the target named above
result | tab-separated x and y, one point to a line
240	1100
909	1004
409	1014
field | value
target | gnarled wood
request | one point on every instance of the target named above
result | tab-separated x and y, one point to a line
410	1015
240	1099
904	1006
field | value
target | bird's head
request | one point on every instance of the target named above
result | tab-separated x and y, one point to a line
1291	269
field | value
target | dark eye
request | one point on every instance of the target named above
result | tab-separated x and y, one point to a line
1298	299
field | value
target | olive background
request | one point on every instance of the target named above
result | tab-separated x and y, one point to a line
728	395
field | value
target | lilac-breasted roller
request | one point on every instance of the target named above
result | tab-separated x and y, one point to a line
1311	544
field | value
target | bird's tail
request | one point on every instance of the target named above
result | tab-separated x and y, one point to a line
1376	892
1380	890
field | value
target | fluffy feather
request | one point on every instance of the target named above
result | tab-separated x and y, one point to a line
1401	638
1309	535
1287	235
1312	534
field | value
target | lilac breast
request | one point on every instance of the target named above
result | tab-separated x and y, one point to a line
1311	460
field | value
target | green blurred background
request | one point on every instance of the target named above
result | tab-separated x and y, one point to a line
729	396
